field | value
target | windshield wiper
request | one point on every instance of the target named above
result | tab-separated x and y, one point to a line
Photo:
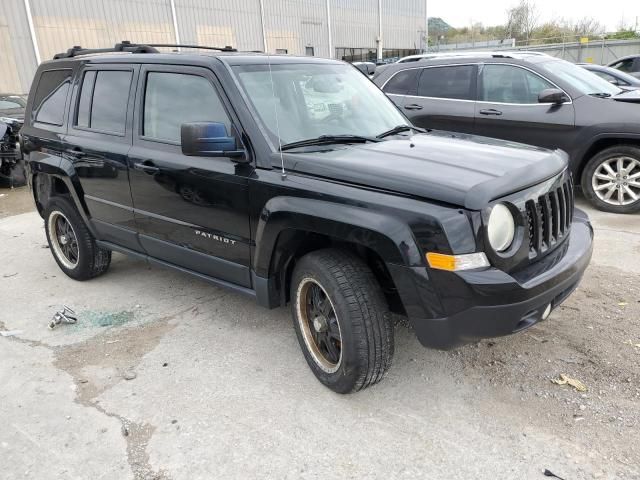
327	140
399	129
600	95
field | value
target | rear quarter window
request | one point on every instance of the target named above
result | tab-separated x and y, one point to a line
51	96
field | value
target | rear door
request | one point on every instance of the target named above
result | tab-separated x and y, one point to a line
444	98
97	143
508	108
190	211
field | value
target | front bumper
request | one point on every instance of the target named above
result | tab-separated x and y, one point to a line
492	303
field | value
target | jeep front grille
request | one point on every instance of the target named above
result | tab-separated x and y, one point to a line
549	218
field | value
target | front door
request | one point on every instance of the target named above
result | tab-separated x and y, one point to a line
508	108
190	211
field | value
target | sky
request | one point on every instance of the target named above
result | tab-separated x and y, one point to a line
460	13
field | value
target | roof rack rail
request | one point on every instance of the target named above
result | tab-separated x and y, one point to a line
227	48
124	46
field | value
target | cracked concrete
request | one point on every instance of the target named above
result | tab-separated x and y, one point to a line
221	389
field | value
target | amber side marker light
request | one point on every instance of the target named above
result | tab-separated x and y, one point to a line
454	263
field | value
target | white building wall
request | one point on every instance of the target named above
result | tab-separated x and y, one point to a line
290	25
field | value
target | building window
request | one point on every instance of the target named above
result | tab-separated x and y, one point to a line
308	51
356	54
281	51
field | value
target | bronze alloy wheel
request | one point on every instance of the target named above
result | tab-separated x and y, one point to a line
319	325
63	240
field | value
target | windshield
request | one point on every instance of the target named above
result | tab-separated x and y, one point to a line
11	102
311	100
583	80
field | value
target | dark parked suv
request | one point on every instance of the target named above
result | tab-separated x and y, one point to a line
535	99
295	180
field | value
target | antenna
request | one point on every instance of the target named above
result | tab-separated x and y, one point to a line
275	108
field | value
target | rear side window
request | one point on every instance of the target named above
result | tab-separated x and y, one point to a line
51	96
624	65
103	101
172	99
402	83
455	82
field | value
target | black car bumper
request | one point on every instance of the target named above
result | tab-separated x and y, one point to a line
494	303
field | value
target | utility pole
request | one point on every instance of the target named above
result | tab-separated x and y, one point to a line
426	27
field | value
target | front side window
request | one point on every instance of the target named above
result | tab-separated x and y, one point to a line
304	101
455	82
12	102
51	96
579	78
104	96
609	78
172	99
624	65
402	83
510	84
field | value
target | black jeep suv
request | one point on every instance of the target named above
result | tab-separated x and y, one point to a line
295	180
532	98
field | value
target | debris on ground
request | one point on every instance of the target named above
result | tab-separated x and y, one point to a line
566	380
549	473
66	315
129	375
9	275
10	333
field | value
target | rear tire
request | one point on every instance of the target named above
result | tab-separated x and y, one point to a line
609	181
72	245
341	319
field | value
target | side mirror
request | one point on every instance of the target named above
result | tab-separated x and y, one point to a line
552	95
208	139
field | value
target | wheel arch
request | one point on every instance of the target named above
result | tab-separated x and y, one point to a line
602	142
291	227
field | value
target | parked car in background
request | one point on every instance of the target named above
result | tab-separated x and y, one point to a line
629	64
294	180
368	68
534	99
11	119
613	76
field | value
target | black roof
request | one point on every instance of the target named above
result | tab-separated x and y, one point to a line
126	52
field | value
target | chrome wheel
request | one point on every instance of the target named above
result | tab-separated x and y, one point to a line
319	325
616	181
64	241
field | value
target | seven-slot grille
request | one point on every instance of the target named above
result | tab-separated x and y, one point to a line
549	218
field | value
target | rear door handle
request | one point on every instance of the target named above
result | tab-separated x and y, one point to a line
147	167
490	111
413	106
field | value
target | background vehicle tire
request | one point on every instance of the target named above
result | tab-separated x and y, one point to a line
341	320
611	179
72	245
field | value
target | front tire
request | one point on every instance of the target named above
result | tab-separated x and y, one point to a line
611	179
72	245
341	320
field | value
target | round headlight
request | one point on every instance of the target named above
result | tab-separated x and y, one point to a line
501	228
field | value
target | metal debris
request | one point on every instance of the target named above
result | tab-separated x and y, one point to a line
565	380
66	315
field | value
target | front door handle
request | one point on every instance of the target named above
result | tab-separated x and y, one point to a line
147	167
490	111
75	152
413	106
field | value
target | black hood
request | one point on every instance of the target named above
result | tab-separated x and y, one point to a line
459	169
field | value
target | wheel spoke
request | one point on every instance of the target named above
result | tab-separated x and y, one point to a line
630	193
609	170
601	176
634	184
605	186
634	176
620	165
620	196
610	192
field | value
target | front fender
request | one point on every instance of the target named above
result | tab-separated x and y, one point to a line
389	237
